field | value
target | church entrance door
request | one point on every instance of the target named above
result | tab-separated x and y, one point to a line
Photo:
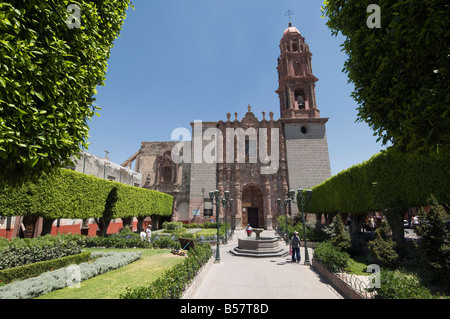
252	213
252	207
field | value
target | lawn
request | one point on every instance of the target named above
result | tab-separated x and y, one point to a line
358	265
152	264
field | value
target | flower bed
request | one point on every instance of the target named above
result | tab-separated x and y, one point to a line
60	278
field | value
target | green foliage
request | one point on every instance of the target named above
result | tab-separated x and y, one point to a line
69	194
332	258
388	180
172	225
434	244
59	278
400	71
174	281
340	237
37	268
399	285
383	247
48	78
25	251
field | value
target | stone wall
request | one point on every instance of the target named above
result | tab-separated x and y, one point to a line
307	154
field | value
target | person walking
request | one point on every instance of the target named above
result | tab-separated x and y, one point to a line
248	229
148	231
295	247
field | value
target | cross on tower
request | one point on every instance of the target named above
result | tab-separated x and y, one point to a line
289	13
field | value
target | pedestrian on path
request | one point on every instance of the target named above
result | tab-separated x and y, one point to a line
148	231
295	247
248	230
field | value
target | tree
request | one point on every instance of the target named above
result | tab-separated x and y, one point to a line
400	70
49	71
434	243
340	237
383	247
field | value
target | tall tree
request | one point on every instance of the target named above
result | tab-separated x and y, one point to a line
52	57
399	62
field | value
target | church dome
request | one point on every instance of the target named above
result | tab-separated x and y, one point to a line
290	30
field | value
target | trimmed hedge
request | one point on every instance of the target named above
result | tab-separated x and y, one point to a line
24	251
332	258
388	180
35	269
174	281
70	194
49	73
60	278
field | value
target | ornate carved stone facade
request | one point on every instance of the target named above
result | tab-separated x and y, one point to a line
246	150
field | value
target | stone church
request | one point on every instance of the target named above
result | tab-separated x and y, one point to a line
260	159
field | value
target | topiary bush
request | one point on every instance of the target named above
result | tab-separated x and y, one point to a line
35	269
60	278
174	281
382	248
49	72
332	258
398	285
25	251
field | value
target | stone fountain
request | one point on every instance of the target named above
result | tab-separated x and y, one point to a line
259	246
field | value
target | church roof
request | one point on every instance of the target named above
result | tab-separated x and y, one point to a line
290	30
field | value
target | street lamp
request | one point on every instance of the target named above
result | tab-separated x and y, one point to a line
302	201
225	205
216	195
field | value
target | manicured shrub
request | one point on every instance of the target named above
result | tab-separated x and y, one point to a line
60	278
434	244
35	269
383	247
388	180
340	237
69	194
174	281
172	225
49	72
20	252
398	285
332	258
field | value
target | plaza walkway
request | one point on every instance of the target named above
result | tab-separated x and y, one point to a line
237	277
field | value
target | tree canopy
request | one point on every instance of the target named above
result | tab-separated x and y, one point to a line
50	66
399	68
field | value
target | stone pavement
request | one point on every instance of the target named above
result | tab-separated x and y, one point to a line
237	277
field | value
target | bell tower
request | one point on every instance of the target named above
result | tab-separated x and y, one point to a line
296	88
306	145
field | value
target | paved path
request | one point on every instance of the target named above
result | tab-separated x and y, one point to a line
237	277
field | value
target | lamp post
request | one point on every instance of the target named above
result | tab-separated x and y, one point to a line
212	195
225	205
302	201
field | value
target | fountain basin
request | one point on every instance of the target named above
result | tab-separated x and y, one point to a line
261	247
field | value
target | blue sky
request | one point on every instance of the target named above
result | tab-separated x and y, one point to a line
184	60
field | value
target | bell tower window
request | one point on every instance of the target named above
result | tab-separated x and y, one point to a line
167	173
299	99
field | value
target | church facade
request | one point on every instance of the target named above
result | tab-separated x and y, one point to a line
256	159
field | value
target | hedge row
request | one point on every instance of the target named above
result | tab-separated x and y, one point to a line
388	180
70	194
174	281
35	269
20	252
63	277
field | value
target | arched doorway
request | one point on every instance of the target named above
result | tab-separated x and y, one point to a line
252	207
